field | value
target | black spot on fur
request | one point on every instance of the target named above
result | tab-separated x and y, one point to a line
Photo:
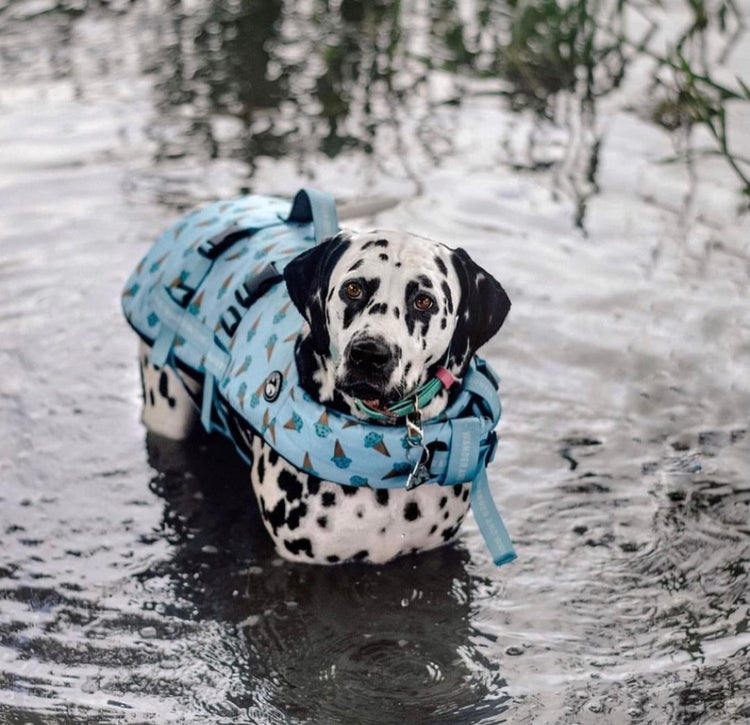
322	521
360	555
411	511
354	307
273	456
450	532
425	281
396	313
375	243
443	323
333	559
276	517
443	501
409	323
448	296
465	495
412	315
378	309
313	485
261	468
291	485
356	265
151	397
457	490
328	499
383	257
298	546
164	389
293	519
349	490
433	529
441	265
382	496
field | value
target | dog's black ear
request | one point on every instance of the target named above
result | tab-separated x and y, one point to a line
307	277
482	309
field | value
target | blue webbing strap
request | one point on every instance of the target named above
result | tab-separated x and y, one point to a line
171	302
318	207
176	322
171	307
489	521
464	450
478	383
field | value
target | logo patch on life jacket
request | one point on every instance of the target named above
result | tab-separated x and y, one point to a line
272	386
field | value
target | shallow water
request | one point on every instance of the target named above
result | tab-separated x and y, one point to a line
135	585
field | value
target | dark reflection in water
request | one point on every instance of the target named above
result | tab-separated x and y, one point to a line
297	79
223	629
347	644
250	80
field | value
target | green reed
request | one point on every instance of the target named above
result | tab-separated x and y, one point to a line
584	48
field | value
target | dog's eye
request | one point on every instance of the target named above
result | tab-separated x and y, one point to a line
353	290
423	302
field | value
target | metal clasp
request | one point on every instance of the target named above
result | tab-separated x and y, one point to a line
415	437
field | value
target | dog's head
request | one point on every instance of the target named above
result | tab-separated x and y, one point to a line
386	309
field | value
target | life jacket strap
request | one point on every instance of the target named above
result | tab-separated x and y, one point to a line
481	382
171	304
318	207
489	521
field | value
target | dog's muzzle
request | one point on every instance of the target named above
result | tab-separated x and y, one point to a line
370	362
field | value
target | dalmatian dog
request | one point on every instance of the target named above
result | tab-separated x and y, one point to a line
383	310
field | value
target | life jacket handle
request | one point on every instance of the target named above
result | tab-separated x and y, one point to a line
318	207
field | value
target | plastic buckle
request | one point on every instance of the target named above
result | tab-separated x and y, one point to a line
492	441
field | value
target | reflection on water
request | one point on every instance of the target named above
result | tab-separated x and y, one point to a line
290	630
585	152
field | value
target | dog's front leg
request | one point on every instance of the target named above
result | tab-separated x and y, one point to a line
168	408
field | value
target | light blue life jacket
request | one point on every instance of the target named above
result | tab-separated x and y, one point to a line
209	298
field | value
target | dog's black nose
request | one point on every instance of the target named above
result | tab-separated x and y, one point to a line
370	352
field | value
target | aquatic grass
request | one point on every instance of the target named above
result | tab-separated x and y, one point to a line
557	46
694	97
698	99
582	49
